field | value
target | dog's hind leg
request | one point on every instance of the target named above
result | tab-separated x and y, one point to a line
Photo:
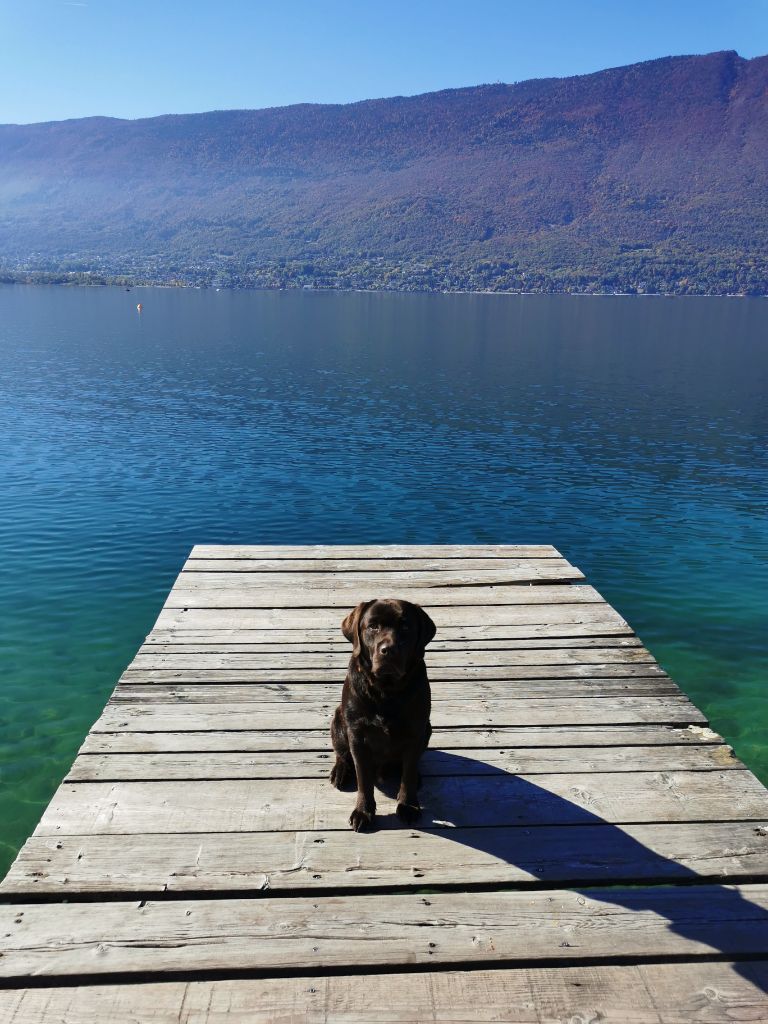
427	735
343	772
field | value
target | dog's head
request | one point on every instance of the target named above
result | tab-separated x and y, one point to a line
388	637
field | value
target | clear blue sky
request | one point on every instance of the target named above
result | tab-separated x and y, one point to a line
136	58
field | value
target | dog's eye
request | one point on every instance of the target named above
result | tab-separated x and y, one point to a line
372	626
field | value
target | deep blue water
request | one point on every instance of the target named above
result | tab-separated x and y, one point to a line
629	432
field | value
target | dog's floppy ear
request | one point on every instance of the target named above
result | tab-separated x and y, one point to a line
427	628
350	627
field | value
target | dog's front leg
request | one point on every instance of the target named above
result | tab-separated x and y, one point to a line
365	807
408	808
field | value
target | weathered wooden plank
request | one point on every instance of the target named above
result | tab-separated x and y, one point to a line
600	618
338	660
206	643
332	860
376	551
521	572
180	717
563	634
620	738
191	669
548	570
479	928
374	566
259	805
169	672
469	675
718	993
315	764
157	691
451	679
194	592
479	652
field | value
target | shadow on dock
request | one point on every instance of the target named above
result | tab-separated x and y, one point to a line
702	909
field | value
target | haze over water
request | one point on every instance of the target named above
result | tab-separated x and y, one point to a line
630	433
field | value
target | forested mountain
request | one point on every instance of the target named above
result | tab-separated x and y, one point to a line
652	177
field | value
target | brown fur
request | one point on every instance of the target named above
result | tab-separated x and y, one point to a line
383	718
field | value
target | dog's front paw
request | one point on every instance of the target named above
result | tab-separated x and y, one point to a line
408	813
362	818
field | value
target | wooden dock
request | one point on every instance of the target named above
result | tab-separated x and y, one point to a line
589	850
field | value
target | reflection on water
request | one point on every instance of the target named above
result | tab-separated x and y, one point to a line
628	432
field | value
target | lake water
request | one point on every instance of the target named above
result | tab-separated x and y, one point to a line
629	432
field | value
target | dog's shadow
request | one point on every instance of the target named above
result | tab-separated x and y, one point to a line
553	841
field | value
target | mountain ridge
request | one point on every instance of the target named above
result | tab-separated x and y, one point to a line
647	177
734	54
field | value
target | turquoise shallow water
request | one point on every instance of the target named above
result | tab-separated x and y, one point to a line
629	432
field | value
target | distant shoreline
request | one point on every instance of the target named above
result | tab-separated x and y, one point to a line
104	281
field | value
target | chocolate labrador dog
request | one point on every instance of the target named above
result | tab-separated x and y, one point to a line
383	718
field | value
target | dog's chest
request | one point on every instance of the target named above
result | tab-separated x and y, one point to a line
384	729
384	720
